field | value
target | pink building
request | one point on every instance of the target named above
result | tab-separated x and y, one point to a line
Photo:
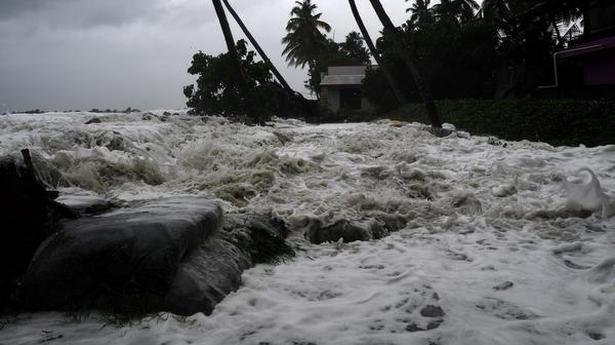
590	61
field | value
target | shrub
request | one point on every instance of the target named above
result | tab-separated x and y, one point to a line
554	121
217	89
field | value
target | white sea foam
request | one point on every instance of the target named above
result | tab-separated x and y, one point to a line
493	235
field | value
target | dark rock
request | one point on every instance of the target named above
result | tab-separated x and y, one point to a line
28	215
93	120
214	269
596	335
440	132
390	222
349	231
432	311
504	286
431	325
123	260
210	273
377	225
166	255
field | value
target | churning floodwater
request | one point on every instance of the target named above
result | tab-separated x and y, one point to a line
495	249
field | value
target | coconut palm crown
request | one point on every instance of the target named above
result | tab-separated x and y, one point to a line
421	11
304	40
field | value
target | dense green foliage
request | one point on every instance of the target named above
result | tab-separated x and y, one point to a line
304	41
557	122
501	50
217	88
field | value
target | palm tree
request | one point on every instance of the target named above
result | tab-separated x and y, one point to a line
465	8
230	44
495	10
421	12
406	53
304	40
354	48
376	54
445	10
456	10
258	48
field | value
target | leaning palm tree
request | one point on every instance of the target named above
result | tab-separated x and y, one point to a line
386	69
258	48
401	46
230	44
422	13
304	40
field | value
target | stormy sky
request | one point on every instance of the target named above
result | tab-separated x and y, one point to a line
81	54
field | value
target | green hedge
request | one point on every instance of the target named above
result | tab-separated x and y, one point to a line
557	122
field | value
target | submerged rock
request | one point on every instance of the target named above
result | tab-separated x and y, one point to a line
346	230
93	120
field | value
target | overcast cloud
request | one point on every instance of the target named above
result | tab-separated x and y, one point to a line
80	54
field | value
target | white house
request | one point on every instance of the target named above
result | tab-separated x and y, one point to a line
340	89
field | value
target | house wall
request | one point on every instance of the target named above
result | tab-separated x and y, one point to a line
330	97
600	68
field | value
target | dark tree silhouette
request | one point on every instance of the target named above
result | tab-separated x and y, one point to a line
406	53
421	12
304	41
230	44
258	48
372	48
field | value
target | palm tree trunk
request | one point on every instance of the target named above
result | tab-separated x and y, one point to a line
258	48
372	48
399	42
230	44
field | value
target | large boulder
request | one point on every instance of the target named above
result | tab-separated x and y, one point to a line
28	214
125	260
167	255
214	269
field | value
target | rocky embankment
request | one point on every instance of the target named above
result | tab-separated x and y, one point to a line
181	255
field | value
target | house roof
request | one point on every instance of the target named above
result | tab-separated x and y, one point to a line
589	47
333	79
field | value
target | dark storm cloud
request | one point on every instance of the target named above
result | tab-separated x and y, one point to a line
15	8
83	14
67	54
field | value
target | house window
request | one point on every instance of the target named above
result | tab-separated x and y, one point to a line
350	99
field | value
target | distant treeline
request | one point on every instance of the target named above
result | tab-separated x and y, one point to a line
94	110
